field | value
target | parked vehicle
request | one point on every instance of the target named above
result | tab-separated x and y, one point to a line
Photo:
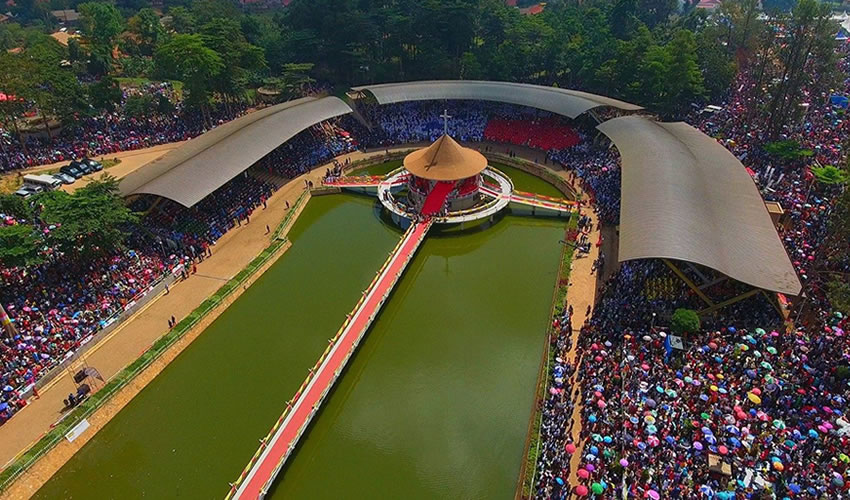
94	164
45	182
82	167
28	190
74	172
64	178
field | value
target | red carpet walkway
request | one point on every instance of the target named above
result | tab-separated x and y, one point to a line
434	202
278	445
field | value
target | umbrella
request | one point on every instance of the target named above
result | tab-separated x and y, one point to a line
597	488
571	448
581	490
582	473
653	494
624	462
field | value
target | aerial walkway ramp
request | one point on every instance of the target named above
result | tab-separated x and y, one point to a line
278	445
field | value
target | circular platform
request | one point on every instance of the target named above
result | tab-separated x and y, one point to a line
497	195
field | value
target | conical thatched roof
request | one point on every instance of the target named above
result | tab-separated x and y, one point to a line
445	160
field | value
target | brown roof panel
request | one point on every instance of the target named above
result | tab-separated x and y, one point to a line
565	102
202	165
686	197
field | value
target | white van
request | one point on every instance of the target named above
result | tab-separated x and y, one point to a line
46	182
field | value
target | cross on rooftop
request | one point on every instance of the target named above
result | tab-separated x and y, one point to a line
445	116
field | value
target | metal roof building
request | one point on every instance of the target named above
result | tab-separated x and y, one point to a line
686	197
564	102
196	169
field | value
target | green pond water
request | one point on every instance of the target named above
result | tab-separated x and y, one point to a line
435	402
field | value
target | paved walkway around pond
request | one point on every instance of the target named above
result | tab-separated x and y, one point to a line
278	446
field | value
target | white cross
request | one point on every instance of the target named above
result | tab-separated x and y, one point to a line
445	116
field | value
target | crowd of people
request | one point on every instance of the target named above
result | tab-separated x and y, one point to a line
749	405
468	121
112	131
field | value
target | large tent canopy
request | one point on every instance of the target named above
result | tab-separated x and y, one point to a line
570	103
686	197
202	165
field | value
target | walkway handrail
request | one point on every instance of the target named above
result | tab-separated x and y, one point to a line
314	370
293	209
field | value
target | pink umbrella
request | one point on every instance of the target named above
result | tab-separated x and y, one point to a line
581	490
571	448
583	474
653	494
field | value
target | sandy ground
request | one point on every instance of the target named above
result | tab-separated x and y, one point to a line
130	161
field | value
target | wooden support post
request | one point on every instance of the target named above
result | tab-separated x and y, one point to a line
731	301
688	282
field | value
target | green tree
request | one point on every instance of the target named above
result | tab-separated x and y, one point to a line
806	60
830	175
140	106
101	23
187	58
685	321
105	94
787	150
15	79
20	246
148	30
655	12
291	83
242	61
182	20
685	81
15	206
838	292
91	221
75	51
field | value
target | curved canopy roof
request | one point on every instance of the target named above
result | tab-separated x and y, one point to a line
686	197
445	160
202	165
565	102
